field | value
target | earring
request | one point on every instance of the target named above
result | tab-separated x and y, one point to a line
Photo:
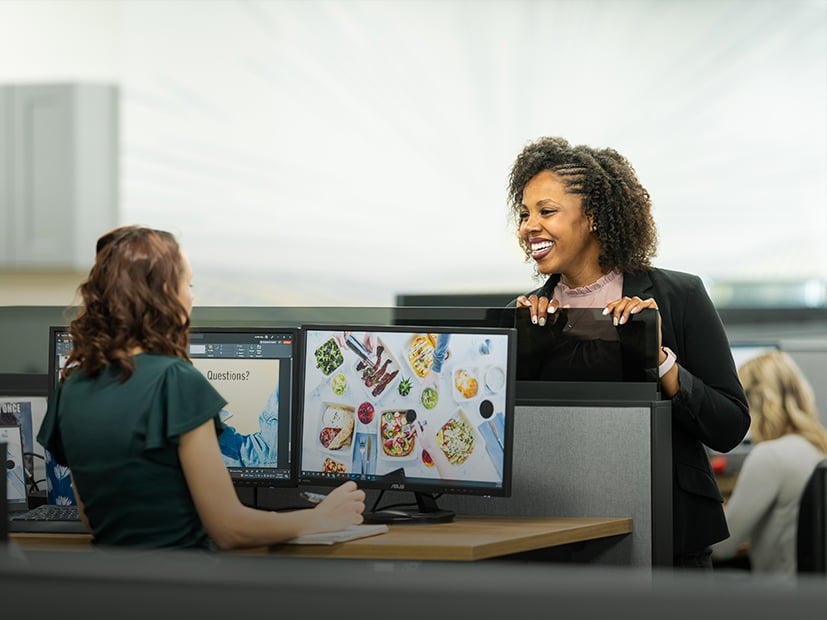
594	227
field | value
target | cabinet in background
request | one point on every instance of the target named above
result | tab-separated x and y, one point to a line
58	173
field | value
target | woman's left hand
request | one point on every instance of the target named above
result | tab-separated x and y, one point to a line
621	309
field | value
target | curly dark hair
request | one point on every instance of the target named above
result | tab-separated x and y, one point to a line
613	198
130	299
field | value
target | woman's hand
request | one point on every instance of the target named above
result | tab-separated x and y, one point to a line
540	307
621	309
341	508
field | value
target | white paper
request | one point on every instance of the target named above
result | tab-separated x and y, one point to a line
330	538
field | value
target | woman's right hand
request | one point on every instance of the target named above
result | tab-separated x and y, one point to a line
540	307
341	508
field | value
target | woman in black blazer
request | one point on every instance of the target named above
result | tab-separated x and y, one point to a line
585	220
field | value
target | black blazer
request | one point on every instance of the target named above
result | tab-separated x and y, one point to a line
710	408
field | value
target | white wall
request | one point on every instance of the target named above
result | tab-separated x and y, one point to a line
341	152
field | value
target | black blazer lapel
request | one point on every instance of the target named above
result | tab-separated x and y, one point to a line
637	283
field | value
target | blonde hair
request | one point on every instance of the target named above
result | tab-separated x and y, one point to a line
780	399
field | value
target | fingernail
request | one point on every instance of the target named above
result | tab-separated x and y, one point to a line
534	319
614	321
542	321
552	310
605	311
635	309
622	320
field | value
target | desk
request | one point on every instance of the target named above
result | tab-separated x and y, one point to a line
467	538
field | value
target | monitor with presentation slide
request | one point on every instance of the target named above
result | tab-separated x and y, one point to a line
253	369
428	410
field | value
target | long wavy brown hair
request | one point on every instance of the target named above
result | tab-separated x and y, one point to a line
780	400
130	299
613	198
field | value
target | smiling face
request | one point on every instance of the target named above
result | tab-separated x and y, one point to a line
559	235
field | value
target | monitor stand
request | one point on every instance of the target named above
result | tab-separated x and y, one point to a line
426	511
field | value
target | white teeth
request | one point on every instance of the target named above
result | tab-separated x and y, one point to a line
536	247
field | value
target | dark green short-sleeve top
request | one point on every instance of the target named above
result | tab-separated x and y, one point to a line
120	440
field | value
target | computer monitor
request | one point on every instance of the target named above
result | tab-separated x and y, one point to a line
254	370
373	408
58	481
742	352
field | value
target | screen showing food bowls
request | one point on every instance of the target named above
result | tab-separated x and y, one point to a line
405	408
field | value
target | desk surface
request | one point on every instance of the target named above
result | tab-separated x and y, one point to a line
467	538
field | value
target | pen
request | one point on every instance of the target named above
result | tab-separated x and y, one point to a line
314	498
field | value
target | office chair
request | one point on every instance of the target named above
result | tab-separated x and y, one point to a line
812	523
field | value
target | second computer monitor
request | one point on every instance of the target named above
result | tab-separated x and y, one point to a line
253	369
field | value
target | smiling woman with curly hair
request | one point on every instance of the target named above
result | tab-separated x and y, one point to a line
586	221
615	202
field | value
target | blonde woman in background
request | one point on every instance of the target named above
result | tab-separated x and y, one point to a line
790	441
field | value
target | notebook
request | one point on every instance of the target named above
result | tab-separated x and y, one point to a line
330	538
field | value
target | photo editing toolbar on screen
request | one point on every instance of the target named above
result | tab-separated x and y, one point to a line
402	408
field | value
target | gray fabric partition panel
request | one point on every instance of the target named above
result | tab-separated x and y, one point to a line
584	461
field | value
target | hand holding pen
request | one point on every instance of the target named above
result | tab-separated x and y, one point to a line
340	509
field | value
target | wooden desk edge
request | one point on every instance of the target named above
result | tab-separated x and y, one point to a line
567	530
526	534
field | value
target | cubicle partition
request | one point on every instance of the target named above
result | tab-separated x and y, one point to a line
590	452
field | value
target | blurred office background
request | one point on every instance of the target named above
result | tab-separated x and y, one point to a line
343	152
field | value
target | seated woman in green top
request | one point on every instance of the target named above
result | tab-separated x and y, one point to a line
138	425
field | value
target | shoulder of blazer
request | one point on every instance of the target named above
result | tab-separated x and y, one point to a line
659	282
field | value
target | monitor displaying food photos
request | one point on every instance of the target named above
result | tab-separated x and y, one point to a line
405	408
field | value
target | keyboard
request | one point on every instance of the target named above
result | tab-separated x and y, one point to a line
48	518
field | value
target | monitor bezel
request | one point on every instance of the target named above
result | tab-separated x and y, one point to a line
22	504
292	480
425	486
